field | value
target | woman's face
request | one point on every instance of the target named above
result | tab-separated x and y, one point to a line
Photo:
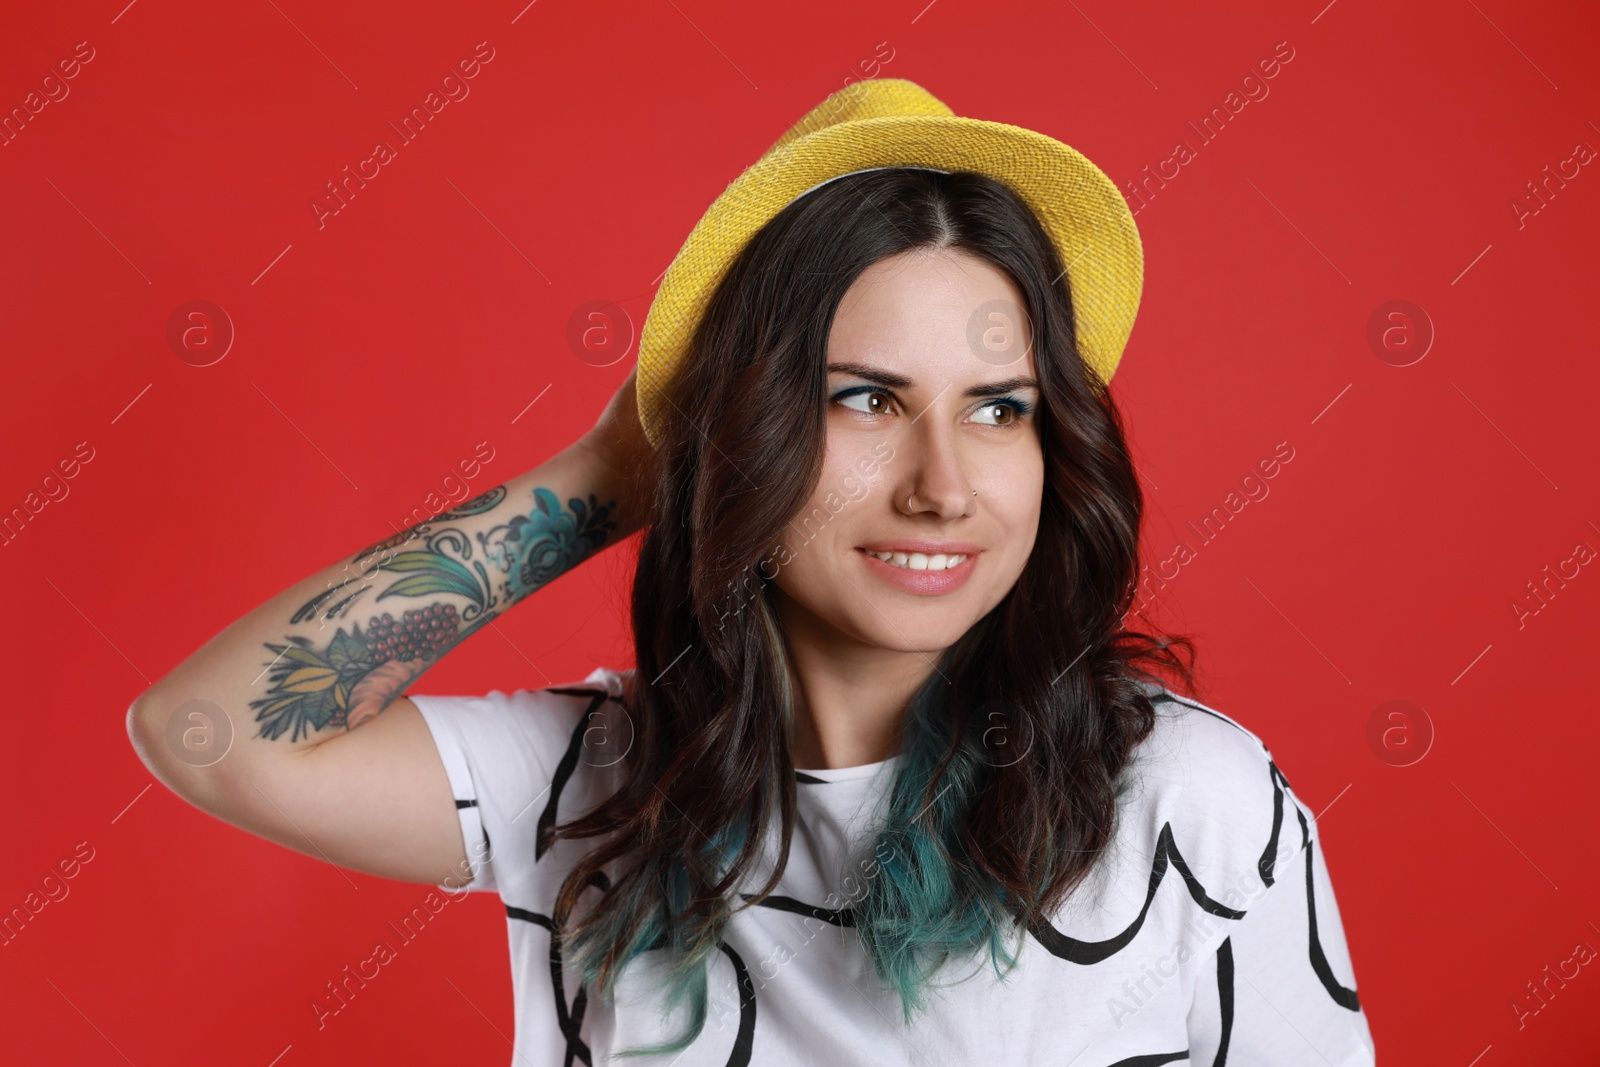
932	394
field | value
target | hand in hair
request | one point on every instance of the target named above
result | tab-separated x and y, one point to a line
619	441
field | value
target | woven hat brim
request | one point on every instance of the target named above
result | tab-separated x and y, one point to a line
1078	205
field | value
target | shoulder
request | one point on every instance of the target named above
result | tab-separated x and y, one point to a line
1209	789
554	711
1206	825
528	739
520	762
1216	761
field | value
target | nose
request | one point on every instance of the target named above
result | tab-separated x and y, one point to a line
933	479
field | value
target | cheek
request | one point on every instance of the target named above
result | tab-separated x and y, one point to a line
820	528
818	541
813	539
811	580
1017	519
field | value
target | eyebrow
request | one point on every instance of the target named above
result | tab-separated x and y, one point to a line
899	381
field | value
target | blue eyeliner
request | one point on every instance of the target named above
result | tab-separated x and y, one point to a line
1017	404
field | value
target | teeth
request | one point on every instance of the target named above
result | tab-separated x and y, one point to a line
918	561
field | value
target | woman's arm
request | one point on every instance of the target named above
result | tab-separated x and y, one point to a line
258	727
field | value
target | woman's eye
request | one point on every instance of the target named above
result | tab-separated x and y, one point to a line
1005	411
1001	412
871	401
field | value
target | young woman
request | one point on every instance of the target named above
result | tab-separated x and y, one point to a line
892	781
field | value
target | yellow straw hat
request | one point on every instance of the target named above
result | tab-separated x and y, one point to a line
891	122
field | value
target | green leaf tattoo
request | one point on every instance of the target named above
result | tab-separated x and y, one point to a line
478	505
359	673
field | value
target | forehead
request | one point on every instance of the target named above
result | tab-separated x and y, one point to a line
934	313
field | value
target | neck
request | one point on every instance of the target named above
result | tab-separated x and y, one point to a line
850	698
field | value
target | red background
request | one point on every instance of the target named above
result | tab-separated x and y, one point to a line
374	353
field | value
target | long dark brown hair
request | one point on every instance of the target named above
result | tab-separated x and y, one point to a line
1012	751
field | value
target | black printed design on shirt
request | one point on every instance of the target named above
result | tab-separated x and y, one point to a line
569	1018
1224	998
1345	998
744	1041
836	916
1073	950
1154	1059
568	764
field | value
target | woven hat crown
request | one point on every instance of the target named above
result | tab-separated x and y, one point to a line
892	122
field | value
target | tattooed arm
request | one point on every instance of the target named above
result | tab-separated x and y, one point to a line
258	727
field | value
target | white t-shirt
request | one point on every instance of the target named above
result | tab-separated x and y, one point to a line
1206	934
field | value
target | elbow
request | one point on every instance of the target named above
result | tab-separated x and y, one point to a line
161	740
143	733
148	733
182	743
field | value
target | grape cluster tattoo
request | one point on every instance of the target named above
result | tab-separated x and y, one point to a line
359	672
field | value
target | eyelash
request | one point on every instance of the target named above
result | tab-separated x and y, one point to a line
1021	407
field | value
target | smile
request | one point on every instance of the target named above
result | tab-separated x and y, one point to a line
918	561
921	573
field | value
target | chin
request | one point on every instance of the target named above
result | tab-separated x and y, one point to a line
911	634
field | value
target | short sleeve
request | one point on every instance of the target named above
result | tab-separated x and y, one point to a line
1280	988
501	753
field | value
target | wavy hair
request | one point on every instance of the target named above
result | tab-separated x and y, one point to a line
974	844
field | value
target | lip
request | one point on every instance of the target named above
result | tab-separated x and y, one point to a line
923	545
919	583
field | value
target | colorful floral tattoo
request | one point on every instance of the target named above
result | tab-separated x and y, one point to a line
359	672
